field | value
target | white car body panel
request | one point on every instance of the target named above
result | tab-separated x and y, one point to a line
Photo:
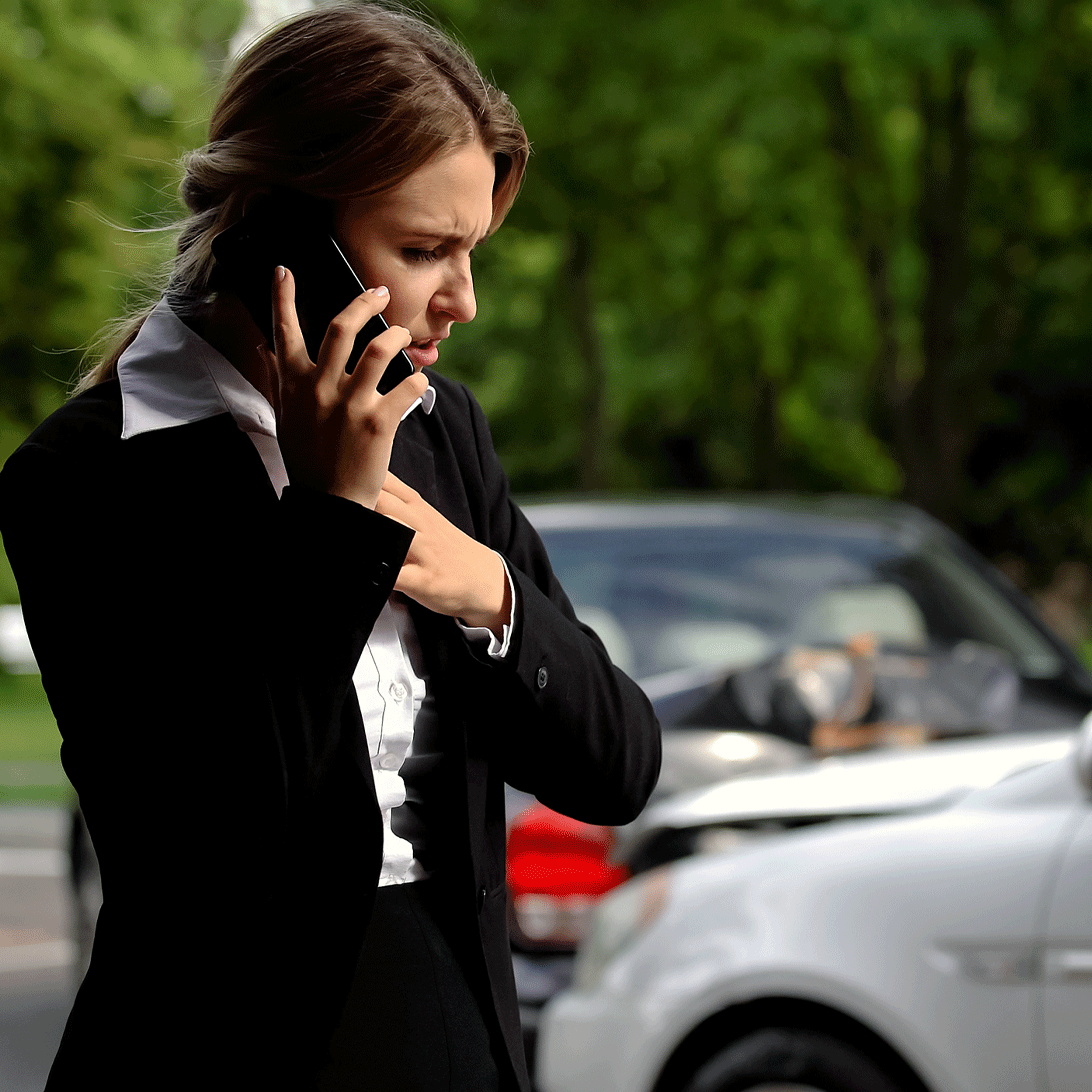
873	783
1067	986
925	928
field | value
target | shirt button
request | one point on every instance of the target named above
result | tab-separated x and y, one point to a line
542	678
398	691
389	762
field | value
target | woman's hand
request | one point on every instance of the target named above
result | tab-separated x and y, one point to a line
446	570
335	430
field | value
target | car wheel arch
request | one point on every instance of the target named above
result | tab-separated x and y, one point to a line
736	1021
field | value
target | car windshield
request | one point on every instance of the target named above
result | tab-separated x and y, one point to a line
668	598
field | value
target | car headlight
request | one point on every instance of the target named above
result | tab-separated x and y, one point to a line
617	921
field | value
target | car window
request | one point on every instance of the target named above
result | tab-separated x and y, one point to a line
883	609
960	604
670	598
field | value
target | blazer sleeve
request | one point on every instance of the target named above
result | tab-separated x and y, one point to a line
573	729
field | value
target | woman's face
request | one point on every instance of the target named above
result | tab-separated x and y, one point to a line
417	240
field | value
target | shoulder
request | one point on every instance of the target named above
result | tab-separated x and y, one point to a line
92	418
78	449
79	437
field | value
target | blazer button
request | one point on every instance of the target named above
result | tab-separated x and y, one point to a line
542	678
481	899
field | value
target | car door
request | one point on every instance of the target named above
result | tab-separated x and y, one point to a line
1067	967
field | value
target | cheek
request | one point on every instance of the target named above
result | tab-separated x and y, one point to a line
386	269
411	290
374	271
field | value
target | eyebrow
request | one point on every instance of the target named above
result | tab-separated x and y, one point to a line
448	238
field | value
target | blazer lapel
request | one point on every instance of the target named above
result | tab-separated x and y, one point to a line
423	458
412	459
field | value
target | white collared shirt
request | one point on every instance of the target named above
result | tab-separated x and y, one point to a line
171	376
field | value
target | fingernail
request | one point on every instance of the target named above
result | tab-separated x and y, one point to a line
280	271
381	291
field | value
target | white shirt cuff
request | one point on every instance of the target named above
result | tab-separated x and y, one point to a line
498	648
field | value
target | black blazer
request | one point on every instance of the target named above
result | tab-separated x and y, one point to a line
197	639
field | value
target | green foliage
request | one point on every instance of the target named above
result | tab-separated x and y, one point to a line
11	436
793	244
97	100
28	732
30	767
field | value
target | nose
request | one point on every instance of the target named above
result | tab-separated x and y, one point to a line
455	296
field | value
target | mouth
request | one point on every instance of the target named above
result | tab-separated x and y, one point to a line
424	353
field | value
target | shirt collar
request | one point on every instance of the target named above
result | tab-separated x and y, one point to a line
170	376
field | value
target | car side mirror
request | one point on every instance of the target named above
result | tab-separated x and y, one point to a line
1082	753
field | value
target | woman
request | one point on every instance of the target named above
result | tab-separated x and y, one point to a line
308	641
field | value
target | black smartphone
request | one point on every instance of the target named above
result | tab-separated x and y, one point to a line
291	229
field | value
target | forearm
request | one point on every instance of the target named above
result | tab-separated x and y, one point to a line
588	742
570	727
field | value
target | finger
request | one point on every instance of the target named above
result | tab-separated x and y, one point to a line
387	503
401	496
378	353
390	506
397	488
340	336
393	502
287	336
382	414
403	397
407	582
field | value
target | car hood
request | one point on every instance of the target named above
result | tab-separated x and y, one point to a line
877	783
695	758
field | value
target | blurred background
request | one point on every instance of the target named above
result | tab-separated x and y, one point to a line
803	245
763	245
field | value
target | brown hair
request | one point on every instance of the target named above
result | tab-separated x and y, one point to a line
345	101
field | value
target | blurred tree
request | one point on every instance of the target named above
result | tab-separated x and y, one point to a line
703	317
97	99
833	244
962	146
789	244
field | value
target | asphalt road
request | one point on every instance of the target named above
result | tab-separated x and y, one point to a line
35	953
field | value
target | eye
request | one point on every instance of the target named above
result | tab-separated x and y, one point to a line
414	254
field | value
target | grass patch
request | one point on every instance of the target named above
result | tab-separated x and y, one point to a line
62	795
27	727
30	764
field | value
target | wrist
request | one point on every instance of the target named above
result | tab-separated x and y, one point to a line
354	491
493	609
